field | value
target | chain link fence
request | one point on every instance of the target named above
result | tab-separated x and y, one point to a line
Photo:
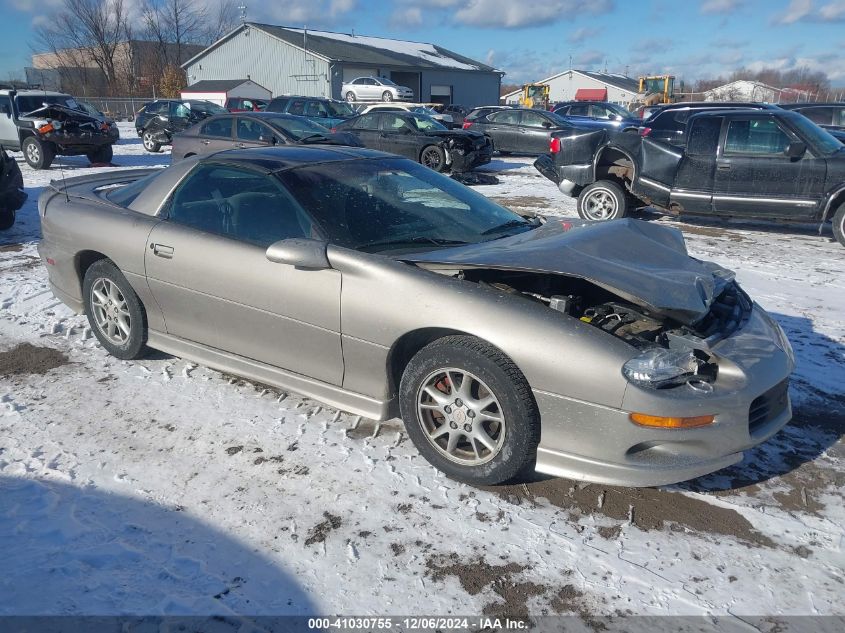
118	108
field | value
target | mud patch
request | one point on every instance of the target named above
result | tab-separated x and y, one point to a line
646	508
570	600
521	202
713	231
321	531
30	359
11	248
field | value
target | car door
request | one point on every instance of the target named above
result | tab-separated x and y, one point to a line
252	133
755	177
180	117
503	128
399	135
578	114
158	116
366	128
207	268
692	188
215	134
535	132
8	128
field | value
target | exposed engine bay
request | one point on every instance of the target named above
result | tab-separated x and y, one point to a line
67	127
633	324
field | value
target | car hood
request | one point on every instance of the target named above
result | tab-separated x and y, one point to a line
461	133
641	262
56	111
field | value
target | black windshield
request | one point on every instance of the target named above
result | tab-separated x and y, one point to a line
396	204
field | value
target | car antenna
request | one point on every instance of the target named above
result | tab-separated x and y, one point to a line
64	181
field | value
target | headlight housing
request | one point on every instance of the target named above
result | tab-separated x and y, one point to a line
657	368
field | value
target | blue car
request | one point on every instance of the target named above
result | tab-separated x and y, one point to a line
319	110
597	114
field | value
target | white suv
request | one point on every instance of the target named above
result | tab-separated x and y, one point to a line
375	89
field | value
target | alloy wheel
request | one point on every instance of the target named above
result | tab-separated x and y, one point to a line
431	159
600	204
460	416
110	311
33	153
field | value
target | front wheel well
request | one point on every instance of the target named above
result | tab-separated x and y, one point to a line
835	202
406	346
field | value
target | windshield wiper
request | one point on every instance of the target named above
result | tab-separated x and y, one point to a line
421	239
507	225
311	137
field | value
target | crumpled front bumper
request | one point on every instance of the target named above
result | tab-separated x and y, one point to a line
467	161
750	401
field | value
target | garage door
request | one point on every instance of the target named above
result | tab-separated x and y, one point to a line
353	73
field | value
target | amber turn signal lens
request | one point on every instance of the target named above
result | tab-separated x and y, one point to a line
660	422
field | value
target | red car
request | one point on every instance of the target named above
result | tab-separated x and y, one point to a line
241	104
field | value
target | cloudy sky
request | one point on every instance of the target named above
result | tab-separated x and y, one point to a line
532	39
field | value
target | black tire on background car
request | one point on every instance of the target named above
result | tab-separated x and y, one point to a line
150	144
386	96
839	224
602	200
433	157
7	219
350	96
102	154
469	411
37	153
114	311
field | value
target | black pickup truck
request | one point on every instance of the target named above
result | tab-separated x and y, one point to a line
767	164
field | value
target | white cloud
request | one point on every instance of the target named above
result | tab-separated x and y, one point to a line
721	6
582	34
514	15
833	11
797	10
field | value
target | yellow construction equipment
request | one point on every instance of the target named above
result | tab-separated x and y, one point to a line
657	89
535	96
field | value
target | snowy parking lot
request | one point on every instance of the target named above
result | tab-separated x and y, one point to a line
162	487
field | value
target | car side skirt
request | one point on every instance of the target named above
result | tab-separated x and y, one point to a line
331	395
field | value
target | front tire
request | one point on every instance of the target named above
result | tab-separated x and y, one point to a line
839	224
469	411
7	219
433	157
102	154
114	311
387	96
601	201
150	144
38	154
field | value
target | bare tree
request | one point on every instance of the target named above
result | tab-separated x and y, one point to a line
85	34
172	24
221	20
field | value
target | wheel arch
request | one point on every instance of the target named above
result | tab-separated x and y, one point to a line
82	261
834	201
614	163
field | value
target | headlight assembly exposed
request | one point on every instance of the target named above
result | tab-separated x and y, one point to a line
658	368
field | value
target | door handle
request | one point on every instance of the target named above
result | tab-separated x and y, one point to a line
162	250
241	145
723	166
205	142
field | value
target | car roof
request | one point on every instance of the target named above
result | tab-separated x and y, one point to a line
812	104
273	159
36	93
717	104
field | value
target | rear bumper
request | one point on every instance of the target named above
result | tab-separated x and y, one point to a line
590	442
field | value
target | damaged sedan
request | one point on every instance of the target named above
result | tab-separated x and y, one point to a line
420	138
595	351
44	125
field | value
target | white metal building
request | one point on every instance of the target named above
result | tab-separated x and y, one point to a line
593	86
744	90
218	90
316	63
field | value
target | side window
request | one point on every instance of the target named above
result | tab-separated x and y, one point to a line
239	204
250	130
297	106
366	122
179	110
755	136
316	109
703	137
395	122
160	107
508	117
533	119
218	128
820	116
839	117
580	109
599	112
278	105
6	106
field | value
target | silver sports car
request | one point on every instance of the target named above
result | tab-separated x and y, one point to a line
600	352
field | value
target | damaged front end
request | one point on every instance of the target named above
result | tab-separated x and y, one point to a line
71	130
466	150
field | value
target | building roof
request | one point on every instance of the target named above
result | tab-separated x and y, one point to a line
361	49
215	85
616	80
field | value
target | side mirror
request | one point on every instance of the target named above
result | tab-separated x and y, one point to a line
795	149
300	252
547	124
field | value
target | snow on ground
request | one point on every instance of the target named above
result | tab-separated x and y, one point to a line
161	487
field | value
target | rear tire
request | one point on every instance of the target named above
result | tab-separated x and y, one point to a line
434	158
114	311
839	224
483	431
350	97
602	201
38	154
150	143
102	154
7	219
